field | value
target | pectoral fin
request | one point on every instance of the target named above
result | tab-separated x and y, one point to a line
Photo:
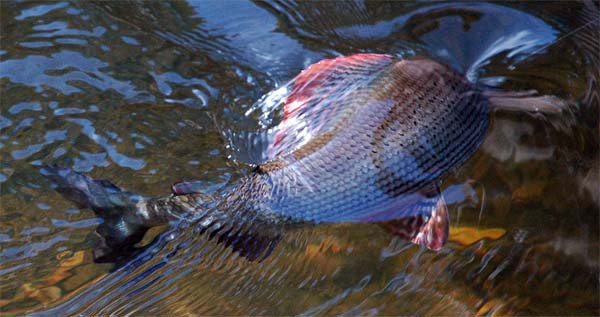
430	227
434	233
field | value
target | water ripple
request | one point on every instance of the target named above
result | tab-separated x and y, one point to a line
122	160
40	10
139	93
71	67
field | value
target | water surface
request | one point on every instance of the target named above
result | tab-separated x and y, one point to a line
139	92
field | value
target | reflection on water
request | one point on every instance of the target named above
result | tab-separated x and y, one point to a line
139	93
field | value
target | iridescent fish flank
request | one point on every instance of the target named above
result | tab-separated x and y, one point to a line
364	138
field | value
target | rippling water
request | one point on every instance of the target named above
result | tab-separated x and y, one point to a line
137	92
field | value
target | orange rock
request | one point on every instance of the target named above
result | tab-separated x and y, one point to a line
66	264
74	260
46	294
490	307
470	235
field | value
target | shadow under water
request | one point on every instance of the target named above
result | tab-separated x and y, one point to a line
140	92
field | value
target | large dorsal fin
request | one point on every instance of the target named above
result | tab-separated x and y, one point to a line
309	105
319	95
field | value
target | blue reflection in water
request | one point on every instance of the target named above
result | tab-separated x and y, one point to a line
50	137
85	223
29	250
36	44
24	106
121	159
60	28
33	71
130	40
5	122
250	32
39	10
72	41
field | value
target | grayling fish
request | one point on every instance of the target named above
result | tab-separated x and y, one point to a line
364	138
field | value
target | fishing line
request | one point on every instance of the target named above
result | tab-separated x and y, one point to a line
585	25
482	205
483	194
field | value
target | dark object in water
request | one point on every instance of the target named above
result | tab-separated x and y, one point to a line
364	138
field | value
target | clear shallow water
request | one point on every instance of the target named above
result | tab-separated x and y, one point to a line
136	93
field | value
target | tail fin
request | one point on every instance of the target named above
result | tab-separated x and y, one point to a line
128	216
122	227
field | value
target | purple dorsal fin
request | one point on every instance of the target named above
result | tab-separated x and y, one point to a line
309	105
319	95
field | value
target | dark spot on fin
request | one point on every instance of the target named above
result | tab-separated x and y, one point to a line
121	229
430	228
254	240
250	246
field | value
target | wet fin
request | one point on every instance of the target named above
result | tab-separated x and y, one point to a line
526	101
589	41
117	239
434	233
310	104
322	79
121	229
127	216
316	98
429	228
405	228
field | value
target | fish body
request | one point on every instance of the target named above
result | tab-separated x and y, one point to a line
364	138
393	131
